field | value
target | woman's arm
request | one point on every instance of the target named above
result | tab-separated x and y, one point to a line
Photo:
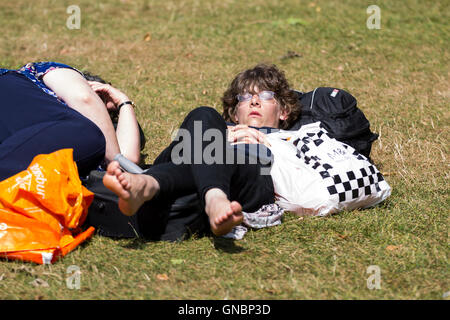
127	130
71	87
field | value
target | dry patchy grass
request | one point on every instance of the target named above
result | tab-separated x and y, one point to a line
171	56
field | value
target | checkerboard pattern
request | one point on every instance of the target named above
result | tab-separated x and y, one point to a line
355	184
343	187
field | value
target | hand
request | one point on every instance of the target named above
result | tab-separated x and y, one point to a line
242	133
111	96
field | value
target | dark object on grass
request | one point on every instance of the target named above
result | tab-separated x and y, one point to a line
176	222
338	113
291	55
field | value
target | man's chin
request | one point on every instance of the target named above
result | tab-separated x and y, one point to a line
255	123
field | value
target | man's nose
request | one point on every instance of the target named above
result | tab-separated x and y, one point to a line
255	100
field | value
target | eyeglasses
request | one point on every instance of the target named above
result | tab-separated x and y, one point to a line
263	95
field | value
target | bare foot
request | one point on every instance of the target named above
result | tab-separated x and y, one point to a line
223	214
132	189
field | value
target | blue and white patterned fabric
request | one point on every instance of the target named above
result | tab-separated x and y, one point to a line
36	70
268	215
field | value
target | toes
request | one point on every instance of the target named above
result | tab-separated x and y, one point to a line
112	167
219	220
236	207
118	172
224	217
122	178
126	185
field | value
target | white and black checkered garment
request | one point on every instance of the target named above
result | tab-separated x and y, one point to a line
353	184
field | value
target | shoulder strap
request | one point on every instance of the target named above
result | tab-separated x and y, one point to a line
312	98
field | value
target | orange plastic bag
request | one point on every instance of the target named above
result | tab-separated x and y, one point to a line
41	209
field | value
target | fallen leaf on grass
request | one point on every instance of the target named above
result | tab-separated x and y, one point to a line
162	277
147	37
393	248
64	51
273	291
343	236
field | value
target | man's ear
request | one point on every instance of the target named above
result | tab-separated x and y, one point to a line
234	116
284	114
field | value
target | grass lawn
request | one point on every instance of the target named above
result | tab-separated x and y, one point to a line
171	56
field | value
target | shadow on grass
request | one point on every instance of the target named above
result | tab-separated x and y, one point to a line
135	244
227	245
220	244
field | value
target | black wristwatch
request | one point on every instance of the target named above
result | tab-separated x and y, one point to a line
124	103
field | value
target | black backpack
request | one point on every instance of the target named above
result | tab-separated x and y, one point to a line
338	113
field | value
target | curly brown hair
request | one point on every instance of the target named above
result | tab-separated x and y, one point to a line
265	77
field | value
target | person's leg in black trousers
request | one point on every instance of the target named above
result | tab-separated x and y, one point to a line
222	186
241	181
